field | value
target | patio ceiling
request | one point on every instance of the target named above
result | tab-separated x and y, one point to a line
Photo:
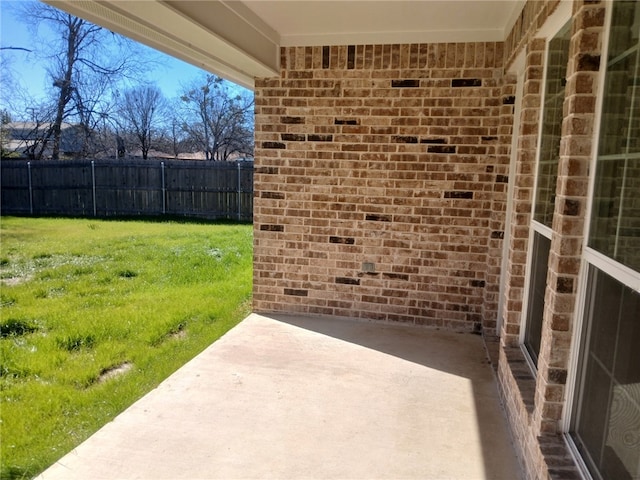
240	40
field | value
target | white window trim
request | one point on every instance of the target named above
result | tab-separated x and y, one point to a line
623	274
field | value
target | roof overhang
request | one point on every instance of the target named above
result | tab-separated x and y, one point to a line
241	40
225	38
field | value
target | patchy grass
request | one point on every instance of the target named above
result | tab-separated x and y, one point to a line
97	313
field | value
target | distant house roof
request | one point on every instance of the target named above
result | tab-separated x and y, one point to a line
20	136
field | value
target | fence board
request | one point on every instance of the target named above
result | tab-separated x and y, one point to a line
103	188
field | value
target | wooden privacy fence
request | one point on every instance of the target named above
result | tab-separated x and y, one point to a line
103	188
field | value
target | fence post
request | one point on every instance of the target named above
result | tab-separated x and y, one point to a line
30	189
164	191
239	192
93	183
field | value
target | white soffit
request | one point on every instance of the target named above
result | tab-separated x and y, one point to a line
349	22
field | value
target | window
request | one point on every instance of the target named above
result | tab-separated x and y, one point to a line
606	426
615	220
537	286
605	414
549	155
555	82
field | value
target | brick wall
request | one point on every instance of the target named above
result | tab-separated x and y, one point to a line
380	182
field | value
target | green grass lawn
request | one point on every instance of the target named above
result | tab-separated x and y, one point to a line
94	314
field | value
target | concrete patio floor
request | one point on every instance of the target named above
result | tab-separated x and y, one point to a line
301	397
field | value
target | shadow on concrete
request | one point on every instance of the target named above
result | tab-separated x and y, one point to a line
462	354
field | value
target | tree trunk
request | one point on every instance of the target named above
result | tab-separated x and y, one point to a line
64	84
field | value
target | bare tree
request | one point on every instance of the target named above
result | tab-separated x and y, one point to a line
220	118
14	97
81	67
172	136
140	110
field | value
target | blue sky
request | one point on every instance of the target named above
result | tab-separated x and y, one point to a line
169	75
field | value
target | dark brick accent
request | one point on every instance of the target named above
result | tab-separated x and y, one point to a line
458	194
439	141
588	63
343	240
497	234
292	120
466	82
564	285
320	138
558	375
296	292
267	170
489	169
396	276
377	218
489	139
502	179
274	195
441	149
348	281
351	57
326	57
373	299
571	207
272	228
346	121
292	137
404	139
405	83
510	100
478	283
273	145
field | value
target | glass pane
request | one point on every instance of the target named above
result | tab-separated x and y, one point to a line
537	285
622	450
615	223
627	368
555	81
593	426
606	306
624	25
606	427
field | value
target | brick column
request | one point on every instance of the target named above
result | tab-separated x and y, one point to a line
499	202
576	150
523	194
